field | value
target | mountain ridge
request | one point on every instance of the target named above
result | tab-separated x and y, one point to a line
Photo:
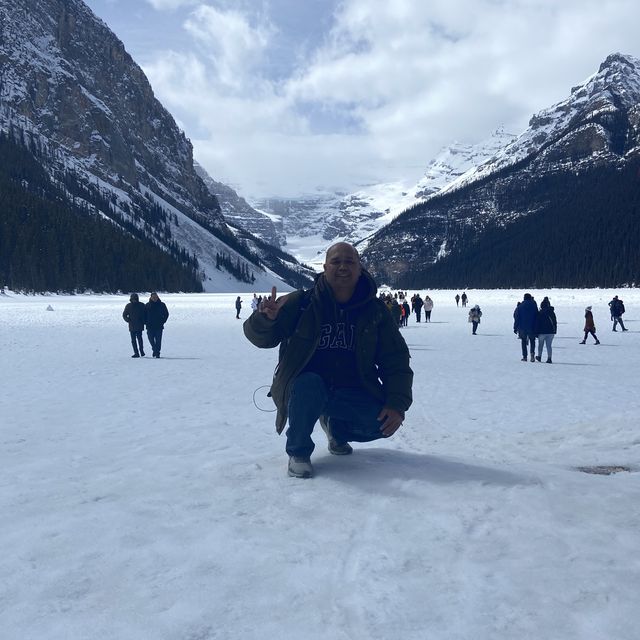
596	128
67	81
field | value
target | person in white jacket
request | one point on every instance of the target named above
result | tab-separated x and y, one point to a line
474	318
428	308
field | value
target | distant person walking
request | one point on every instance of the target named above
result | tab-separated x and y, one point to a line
474	318
157	316
395	310
238	307
254	303
464	299
617	309
418	303
589	326
546	327
428	308
407	312
135	314
525	325
457	300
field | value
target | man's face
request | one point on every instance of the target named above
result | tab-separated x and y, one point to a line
342	268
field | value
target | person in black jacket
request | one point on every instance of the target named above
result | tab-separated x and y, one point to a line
135	314
157	315
545	328
418	303
617	309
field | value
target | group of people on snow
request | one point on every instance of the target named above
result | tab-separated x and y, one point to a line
342	360
400	309
255	301
530	323
462	298
154	314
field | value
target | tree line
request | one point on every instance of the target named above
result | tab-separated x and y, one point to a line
584	234
66	236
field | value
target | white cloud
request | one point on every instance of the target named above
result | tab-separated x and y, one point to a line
254	142
164	5
420	75
231	43
409	77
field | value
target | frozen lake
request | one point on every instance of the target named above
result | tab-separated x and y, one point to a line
148	499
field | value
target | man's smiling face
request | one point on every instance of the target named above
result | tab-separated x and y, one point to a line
342	270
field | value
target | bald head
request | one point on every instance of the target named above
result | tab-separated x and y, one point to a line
342	247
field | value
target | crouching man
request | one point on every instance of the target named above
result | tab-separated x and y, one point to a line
342	360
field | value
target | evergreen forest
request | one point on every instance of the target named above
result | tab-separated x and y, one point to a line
586	233
52	237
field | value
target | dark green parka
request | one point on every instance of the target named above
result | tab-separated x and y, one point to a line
382	356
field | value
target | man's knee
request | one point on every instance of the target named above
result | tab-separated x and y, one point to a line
308	387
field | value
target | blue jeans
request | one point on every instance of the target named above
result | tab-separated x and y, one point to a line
528	338
618	320
155	340
136	336
545	339
352	414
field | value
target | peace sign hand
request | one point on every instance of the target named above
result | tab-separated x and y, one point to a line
270	307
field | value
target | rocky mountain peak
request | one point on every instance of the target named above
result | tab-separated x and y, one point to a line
615	61
69	88
617	80
595	131
72	81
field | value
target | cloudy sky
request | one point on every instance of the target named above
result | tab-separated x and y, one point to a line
281	97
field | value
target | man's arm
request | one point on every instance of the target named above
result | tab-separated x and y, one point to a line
395	373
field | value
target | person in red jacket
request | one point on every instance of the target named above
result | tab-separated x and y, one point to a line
589	326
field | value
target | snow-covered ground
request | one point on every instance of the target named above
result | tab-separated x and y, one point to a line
148	499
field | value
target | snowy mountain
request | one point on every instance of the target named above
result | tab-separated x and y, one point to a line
568	181
238	212
311	223
598	119
69	89
459	160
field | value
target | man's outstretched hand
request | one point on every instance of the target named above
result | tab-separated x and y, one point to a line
270	307
392	421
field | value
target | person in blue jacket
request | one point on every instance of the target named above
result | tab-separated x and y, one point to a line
525	325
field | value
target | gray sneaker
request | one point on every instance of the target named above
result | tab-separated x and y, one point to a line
336	448
300	467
